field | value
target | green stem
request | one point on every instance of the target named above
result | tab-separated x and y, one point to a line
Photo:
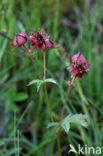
48	104
46	93
44	62
47	100
45	88
66	99
58	144
30	55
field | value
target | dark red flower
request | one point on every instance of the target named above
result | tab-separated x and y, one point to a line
79	66
41	41
19	39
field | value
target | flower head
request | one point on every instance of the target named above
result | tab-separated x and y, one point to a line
19	39
79	66
40	41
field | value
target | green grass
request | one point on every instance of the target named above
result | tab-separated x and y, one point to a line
23	115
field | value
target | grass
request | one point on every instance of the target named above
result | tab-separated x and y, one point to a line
23	115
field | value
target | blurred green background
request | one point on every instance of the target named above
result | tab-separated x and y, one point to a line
76	25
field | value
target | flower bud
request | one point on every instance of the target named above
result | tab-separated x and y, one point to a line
19	39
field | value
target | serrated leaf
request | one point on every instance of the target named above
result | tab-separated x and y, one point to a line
50	80
34	82
42	81
77	118
65	125
37	82
53	124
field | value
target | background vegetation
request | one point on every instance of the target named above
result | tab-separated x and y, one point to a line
76	25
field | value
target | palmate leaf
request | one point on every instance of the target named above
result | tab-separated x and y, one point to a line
40	82
50	80
77	118
34	82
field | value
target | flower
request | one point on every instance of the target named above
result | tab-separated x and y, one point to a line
79	66
41	41
19	39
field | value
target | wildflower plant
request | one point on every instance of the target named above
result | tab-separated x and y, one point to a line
40	41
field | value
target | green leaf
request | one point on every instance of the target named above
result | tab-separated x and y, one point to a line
20	97
50	80
53	124
39	82
34	82
12	91
78	119
12	106
65	125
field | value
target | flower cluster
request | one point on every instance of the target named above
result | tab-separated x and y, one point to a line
39	40
79	66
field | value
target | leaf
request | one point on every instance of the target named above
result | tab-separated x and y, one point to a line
20	97
38	85
51	80
65	125
34	81
37	82
78	119
11	105
53	124
42	81
12	91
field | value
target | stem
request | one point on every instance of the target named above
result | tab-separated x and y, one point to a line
36	69
48	104
58	143
5	36
45	88
66	99
47	100
30	54
46	93
44	62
